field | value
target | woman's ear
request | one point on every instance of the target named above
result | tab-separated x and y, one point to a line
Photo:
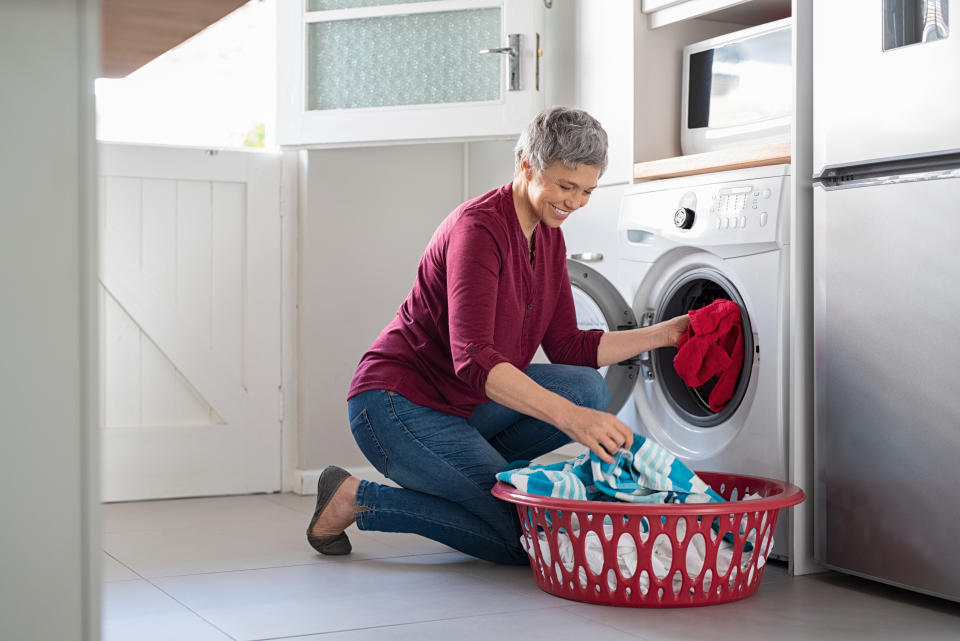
526	169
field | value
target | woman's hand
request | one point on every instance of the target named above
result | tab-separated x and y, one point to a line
673	329
602	432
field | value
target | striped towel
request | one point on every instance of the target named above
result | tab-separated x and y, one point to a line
646	473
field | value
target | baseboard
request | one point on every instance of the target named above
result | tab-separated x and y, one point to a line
305	481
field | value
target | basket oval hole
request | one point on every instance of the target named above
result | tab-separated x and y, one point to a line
747	556
564	544
707	580
608	528
627	555
696	552
661	556
544	544
643	529
594	552
723	560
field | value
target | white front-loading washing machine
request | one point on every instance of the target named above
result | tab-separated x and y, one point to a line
683	243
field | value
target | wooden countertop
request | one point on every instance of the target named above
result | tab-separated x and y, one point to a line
727	159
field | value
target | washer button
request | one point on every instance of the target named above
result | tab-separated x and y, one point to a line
766	193
743	221
763	218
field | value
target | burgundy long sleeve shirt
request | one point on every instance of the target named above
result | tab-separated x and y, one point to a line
478	300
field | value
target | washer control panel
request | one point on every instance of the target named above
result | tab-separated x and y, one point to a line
739	206
734	208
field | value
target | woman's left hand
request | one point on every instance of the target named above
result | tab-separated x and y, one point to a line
674	328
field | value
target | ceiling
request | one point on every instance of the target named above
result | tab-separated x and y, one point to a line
134	32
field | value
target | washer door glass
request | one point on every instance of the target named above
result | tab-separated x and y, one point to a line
600	306
692	290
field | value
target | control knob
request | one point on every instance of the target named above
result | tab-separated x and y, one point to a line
683	218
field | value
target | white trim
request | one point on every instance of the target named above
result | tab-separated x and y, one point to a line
801	459
306	480
291	197
91	369
385	11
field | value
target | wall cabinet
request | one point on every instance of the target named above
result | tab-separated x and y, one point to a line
384	71
664	12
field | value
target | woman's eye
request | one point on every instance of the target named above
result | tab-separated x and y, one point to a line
564	187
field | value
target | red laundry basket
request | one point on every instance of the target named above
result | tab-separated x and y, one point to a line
670	529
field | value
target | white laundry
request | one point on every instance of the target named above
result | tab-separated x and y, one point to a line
661	557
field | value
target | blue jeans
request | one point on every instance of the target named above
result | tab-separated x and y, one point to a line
446	465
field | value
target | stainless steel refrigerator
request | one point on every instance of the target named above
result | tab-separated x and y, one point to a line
887	290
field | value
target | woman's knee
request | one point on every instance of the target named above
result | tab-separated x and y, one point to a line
594	390
587	388
584	386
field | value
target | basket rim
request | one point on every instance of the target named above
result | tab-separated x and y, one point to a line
788	496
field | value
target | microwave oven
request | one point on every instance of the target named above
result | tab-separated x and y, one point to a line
738	89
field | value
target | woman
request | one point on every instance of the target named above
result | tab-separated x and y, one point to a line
446	397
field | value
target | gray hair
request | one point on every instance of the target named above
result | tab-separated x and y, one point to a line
571	136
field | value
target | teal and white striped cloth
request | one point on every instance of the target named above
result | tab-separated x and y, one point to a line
646	473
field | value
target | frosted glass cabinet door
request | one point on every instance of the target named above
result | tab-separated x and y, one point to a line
392	70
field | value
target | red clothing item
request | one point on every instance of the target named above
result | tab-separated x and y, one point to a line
712	346
477	301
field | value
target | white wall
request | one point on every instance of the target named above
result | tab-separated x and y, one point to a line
369	214
49	537
658	82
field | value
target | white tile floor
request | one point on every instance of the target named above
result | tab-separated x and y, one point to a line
240	568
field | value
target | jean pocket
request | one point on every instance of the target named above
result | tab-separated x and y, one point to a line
405	411
366	438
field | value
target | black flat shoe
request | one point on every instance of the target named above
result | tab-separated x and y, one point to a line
330	481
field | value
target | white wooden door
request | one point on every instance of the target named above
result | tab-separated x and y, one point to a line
190	270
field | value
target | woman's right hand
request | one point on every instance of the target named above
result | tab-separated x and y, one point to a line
602	432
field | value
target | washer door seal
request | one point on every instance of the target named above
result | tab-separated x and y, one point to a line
692	290
594	295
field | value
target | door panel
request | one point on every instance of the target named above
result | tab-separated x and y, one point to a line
379	72
191	282
885	310
875	103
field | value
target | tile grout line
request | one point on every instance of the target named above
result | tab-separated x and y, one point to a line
194	612
321	562
420	622
137	574
170	596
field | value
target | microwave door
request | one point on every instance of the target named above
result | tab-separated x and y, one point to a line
886	80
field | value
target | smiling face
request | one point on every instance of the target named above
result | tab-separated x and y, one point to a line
553	194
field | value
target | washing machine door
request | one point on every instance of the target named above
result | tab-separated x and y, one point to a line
676	415
692	290
600	306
